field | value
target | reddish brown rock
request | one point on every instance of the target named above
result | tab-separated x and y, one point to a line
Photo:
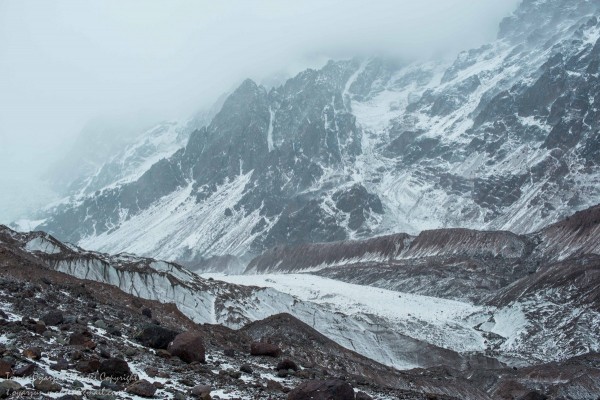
33	353
5	370
188	346
142	388
323	390
264	349
82	339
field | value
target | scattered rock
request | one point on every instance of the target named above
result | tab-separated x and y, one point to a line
146	312
53	318
25	370
287	364
155	336
264	349
333	389
247	368
114	368
229	352
47	385
363	396
201	391
7	387
152	372
142	388
534	395
188	346
274	386
83	338
100	324
88	367
5	370
33	353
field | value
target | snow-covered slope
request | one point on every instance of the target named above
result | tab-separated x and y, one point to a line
519	326
505	137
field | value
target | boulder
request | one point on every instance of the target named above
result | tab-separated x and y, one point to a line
264	349
83	338
114	368
188	346
46	385
53	318
87	366
25	370
155	336
333	389
201	391
287	364
7	387
142	388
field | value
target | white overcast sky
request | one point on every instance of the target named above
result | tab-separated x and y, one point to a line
65	62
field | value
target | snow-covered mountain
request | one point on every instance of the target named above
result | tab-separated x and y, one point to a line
506	137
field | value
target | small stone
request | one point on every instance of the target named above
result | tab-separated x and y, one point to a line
247	368
201	390
25	370
152	372
7	387
77	384
88	366
130	351
229	352
282	373
46	385
108	384
287	364
115	368
234	374
33	353
38	327
274	385
333	389
5	370
53	318
142	388
100	324
177	395
83	338
60	365
146	312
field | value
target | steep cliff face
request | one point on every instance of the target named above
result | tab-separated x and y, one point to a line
504	137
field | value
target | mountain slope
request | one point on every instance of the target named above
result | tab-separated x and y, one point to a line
505	137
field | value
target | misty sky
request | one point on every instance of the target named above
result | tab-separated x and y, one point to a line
65	62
